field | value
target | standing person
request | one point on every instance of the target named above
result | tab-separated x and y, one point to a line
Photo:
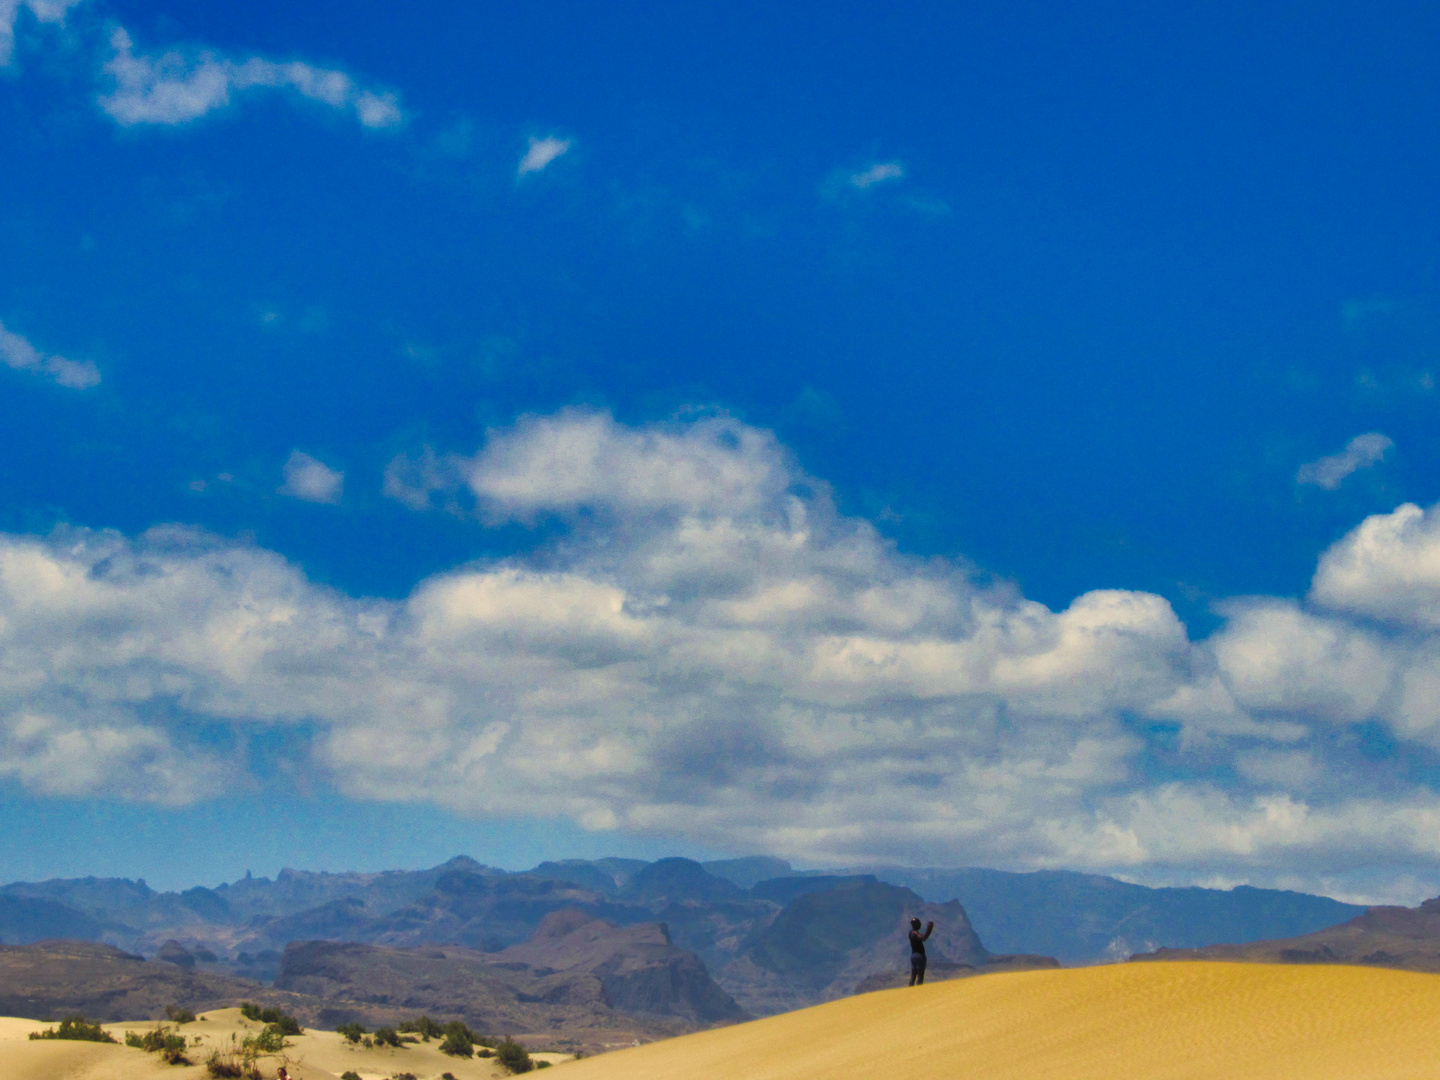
917	951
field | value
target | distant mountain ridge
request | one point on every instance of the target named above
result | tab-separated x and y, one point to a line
770	942
1395	937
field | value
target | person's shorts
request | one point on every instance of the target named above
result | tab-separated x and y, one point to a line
917	962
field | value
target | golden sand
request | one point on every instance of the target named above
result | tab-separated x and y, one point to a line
1182	1021
1149	1021
316	1055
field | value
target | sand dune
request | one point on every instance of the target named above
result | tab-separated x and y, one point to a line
1185	1021
1181	1021
316	1055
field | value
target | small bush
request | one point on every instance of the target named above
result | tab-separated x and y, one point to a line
404	1076
161	1040
457	1047
179	1015
352	1031
287	1024
218	1067
270	1040
542	1064
484	1051
349	1074
423	1026
388	1036
78	1028
447	1076
513	1056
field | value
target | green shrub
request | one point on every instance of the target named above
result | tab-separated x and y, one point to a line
349	1074
218	1067
287	1024
352	1031
179	1015
387	1036
404	1076
447	1076
78	1028
270	1040
542	1064
459	1040
161	1040
513	1056
423	1026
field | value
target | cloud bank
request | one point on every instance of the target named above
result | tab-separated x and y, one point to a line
175	87
711	650
17	352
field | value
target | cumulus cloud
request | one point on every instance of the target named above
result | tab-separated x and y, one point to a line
541	153
707	648
1360	452
1388	569
17	352
175	87
46	11
311	479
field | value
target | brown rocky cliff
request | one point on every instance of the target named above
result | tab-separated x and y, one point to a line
640	968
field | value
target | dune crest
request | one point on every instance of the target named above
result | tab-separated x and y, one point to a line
1185	1021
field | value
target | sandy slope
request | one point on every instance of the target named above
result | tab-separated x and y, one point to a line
1120	1022
316	1055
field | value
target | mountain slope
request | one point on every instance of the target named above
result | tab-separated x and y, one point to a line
824	944
1394	937
1086	918
640	969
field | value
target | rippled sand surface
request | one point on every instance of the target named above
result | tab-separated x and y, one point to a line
1122	1022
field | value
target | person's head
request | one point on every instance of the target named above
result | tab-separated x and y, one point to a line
914	924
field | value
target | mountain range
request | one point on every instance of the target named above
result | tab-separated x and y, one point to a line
1394	937
670	942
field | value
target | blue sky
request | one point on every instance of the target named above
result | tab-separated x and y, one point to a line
967	434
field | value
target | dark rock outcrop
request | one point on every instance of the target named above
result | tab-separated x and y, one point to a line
172	952
827	943
640	969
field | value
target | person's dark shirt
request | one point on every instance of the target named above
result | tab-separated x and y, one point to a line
917	942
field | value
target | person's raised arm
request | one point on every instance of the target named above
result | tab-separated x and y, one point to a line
928	927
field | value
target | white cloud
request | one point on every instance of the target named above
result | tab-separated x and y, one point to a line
46	11
710	650
1360	452
175	87
541	153
311	479
1388	569
17	352
879	173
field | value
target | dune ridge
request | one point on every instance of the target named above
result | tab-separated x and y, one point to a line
1160	1021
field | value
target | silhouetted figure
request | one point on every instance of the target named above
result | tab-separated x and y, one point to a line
917	951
